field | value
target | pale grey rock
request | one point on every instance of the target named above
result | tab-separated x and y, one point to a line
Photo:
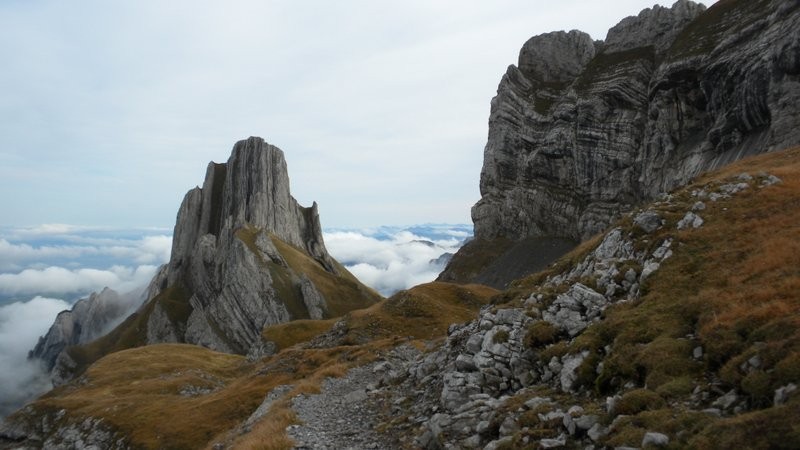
782	394
727	400
657	26
88	319
698	206
697	353
648	221
656	106
655	439
558	442
587	422
224	255
690	220
573	310
556	57
568	375
159	328
597	432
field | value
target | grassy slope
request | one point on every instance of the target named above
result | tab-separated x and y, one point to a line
731	287
138	391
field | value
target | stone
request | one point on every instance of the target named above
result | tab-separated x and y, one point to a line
690	220
698	206
508	427
727	400
586	422
597	432
655	439
558	442
648	221
782	394
697	353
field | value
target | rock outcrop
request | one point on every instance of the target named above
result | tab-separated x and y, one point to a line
245	255
582	131
88	319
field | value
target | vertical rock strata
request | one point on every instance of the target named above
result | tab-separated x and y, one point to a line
245	255
580	131
232	278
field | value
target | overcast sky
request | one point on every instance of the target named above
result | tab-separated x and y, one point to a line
110	110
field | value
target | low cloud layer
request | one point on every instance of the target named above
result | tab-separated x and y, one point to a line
21	324
389	259
44	270
56	280
68	261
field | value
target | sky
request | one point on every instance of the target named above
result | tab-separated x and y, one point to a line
110	111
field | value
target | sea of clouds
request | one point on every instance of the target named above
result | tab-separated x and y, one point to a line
389	259
46	269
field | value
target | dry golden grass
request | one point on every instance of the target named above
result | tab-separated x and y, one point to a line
138	391
422	312
285	335
343	292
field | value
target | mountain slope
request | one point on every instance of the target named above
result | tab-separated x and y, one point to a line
581	131
680	324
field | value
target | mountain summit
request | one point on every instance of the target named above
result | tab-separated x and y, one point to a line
245	255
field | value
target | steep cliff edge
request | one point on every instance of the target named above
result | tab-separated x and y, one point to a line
581	131
245	255
88	319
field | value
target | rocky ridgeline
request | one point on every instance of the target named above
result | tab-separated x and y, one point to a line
88	319
583	130
473	391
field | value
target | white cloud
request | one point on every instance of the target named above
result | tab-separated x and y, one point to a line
55	280
21	324
397	260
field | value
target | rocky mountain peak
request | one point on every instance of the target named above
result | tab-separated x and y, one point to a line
657	26
245	254
556	57
250	189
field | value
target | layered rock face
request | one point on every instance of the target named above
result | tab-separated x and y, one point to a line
245	255
238	249
580	131
88	319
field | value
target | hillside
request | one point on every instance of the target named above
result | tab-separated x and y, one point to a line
680	320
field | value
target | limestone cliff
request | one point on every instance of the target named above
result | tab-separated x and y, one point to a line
581	131
88	319
245	255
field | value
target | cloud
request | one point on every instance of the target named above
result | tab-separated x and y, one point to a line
21	324
391	259
54	280
68	261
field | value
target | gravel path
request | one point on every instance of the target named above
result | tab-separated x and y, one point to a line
343	415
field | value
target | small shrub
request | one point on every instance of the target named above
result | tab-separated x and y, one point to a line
676	388
639	400
788	369
540	333
501	336
757	385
